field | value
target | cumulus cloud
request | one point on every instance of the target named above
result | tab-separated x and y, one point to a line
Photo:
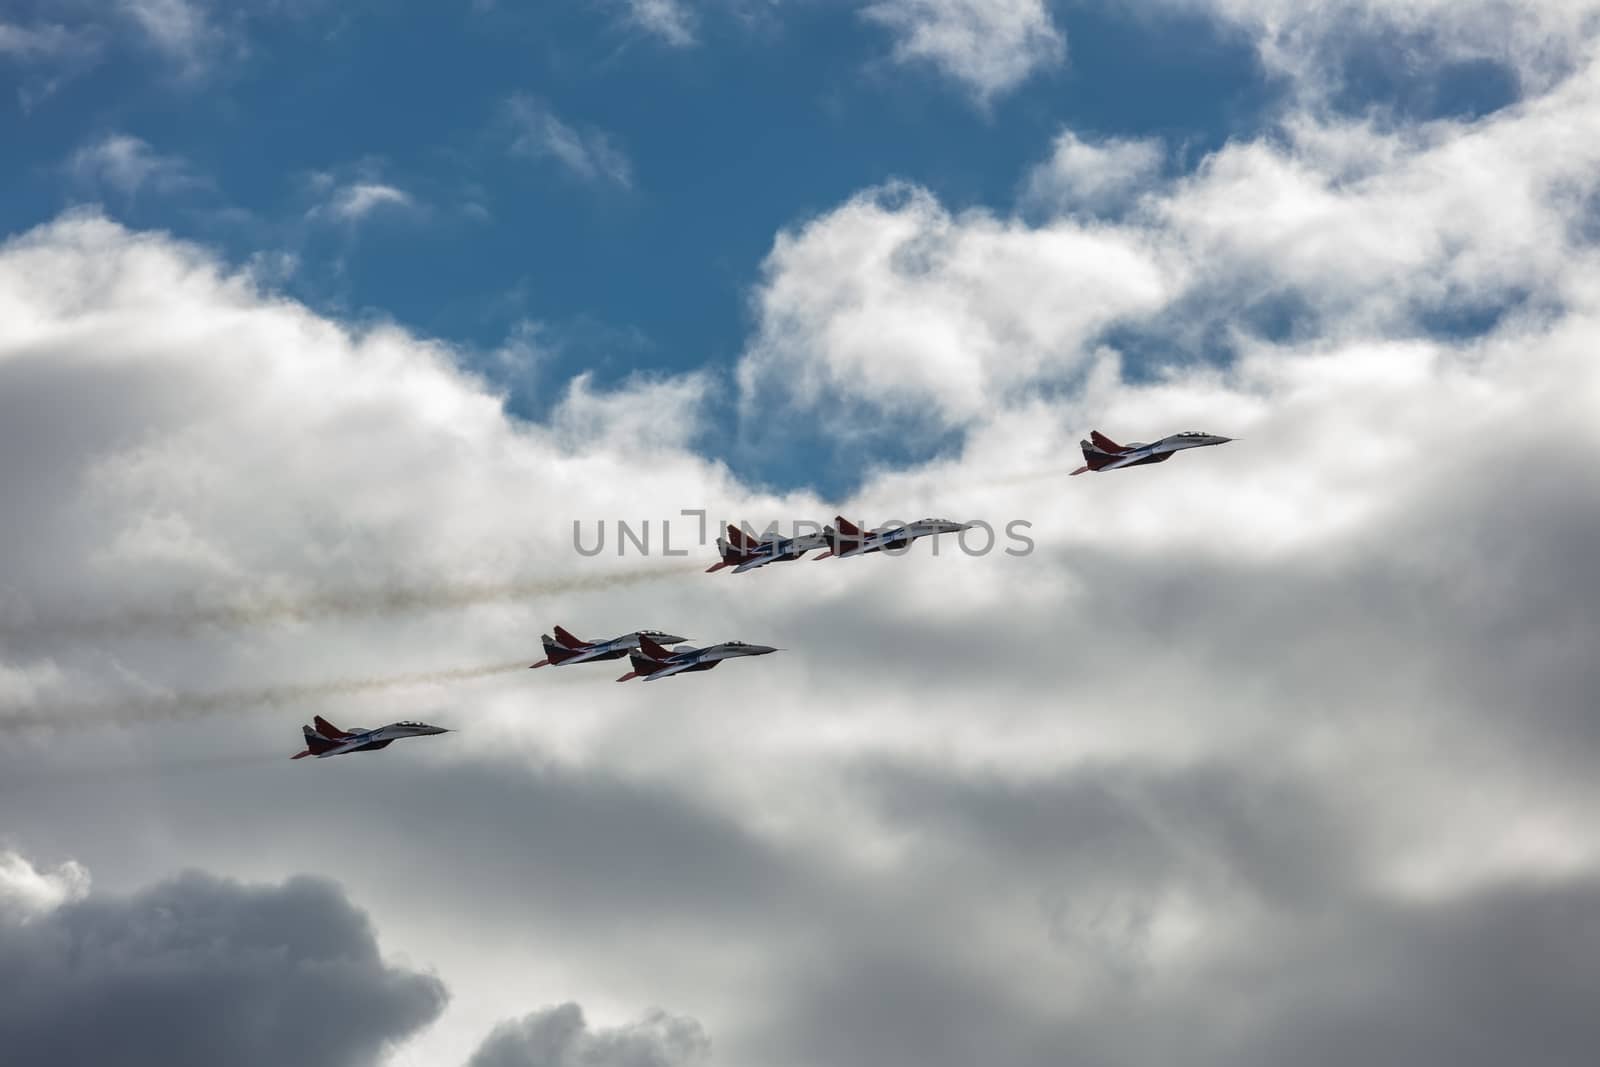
583	151
1086	175
1318	43
176	973
990	46
1331	226
562	1037
893	301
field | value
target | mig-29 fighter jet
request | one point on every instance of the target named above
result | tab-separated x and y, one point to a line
652	661
564	648
743	552
845	538
325	739
1101	453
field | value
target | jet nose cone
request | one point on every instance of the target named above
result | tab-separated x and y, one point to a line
762	650
670	639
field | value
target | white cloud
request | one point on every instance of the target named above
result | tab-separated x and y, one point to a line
26	891
643	416
669	20
48	55
356	201
892	300
991	46
127	165
46	41
1092	176
182	30
585	152
1539	39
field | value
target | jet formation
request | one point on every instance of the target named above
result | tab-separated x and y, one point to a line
740	551
564	649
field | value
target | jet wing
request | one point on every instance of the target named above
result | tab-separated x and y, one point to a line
348	745
1131	459
752	564
668	672
584	656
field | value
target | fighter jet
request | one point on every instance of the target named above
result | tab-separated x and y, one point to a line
1101	453
325	739
652	661
564	648
745	553
845	538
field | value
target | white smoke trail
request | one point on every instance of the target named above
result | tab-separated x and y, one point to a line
327	605
188	705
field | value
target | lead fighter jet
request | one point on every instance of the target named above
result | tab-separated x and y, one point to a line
1101	453
652	661
564	648
845	538
325	739
745	553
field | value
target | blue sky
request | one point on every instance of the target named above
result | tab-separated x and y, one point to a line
759	126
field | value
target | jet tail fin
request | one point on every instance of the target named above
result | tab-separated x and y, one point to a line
325	729
1104	443
566	638
651	649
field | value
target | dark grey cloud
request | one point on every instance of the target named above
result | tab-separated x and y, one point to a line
200	971
1294	955
562	1037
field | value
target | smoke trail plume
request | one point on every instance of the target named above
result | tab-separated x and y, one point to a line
182	705
327	605
133	771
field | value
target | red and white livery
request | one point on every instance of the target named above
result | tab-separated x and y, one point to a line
324	739
1101	453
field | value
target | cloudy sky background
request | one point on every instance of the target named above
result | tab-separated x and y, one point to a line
320	328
